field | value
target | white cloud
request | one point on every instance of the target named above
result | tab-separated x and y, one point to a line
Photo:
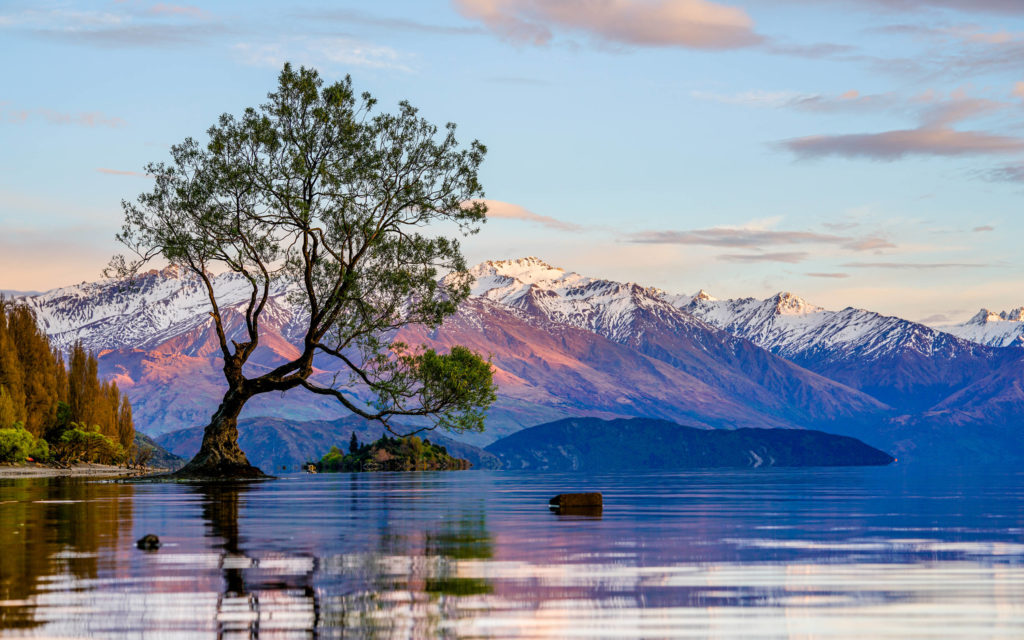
319	52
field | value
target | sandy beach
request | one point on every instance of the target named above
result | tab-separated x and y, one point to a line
85	470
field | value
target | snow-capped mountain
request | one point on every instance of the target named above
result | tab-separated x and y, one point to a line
643	319
602	306
905	364
796	329
1003	329
155	307
564	345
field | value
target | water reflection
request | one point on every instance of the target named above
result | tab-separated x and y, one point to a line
477	554
257	595
54	530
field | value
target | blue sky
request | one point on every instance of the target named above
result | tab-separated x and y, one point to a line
863	153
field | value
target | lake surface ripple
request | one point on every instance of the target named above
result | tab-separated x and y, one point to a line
892	552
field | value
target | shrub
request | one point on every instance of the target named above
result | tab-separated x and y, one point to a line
332	460
89	445
16	444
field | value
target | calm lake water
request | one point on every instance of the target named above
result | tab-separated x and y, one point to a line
889	552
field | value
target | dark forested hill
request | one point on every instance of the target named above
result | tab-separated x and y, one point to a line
637	444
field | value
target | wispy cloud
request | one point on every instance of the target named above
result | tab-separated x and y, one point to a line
828	275
320	51
897	144
691	24
82	119
913	265
118	172
757	238
139	35
509	211
161	25
754	98
787	257
361	18
1007	7
934	136
816	51
161	9
1005	173
984	227
847	101
958	50
935	318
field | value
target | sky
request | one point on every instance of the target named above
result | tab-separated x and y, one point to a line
865	153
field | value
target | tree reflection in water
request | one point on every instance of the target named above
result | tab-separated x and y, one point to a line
52	530
269	593
406	583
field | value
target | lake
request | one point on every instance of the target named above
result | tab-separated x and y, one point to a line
889	552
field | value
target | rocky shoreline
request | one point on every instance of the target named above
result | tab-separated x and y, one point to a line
82	470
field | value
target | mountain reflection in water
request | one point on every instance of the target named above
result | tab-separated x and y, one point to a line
877	552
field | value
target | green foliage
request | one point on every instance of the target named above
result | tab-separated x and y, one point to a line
313	189
17	444
332	460
392	454
40	396
87	444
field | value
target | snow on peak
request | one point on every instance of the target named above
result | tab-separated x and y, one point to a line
985	316
787	303
528	270
170	272
1003	329
704	295
604	306
508	280
789	326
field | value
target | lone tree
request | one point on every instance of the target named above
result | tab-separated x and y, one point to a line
312	190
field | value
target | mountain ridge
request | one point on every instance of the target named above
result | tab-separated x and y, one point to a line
566	345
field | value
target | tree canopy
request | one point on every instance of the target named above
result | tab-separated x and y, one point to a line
313	190
41	399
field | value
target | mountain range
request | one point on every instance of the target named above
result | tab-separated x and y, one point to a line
564	345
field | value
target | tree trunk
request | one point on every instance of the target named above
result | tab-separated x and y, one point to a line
219	457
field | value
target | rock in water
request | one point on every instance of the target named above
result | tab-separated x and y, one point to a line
564	500
148	542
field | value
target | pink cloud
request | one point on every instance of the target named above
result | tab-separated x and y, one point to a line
177	10
758	238
117	172
694	24
1008	7
787	257
86	119
893	145
509	211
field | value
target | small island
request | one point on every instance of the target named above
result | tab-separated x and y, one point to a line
390	454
